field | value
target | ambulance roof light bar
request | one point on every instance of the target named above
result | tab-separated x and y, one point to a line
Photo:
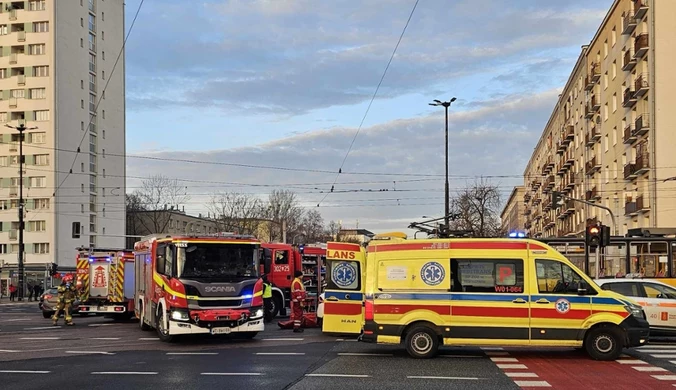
517	234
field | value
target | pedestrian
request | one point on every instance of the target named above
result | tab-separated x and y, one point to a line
67	293
12	292
29	289
36	291
267	299
298	300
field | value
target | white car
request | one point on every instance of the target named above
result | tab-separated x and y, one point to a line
320	308
657	299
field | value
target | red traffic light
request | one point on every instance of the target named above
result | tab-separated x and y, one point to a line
594	230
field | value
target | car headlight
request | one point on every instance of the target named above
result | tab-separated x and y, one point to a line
635	310
180	315
257	313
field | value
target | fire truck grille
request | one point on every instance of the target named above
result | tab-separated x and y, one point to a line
219	303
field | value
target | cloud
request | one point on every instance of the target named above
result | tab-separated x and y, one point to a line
493	139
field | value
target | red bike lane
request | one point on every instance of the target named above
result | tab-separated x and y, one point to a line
569	369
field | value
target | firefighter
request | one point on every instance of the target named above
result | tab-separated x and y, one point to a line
267	299
298	297
67	293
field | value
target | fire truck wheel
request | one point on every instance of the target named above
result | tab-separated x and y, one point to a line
162	333
249	335
276	305
47	314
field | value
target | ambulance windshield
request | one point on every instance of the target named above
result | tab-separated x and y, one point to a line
217	261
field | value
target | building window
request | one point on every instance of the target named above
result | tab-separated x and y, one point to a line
103	153
103	16
605	49
605	142
41	71
103	35
17	93
41	203
81	167
81	22
82	125
38	182
81	187
103	114
614	102
37	226
103	74
92	23
41	248
92	103
81	42
82	104
40	27
605	80
92	42
41	159
3	117
37	5
42	115
37	49
104	172
92	83
103	55
613	36
104	134
92	63
38	138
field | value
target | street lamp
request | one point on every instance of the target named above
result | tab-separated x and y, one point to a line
21	128
446	203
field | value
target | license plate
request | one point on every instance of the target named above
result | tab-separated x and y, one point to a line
221	331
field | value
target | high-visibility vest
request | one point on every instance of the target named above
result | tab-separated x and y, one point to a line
267	290
297	284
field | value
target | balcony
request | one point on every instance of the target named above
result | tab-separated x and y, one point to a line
13	58
629	98
592	194
592	136
535	184
560	147
641	85
630	207
629	171
12	14
13	102
642	163
595	103
527	212
546	204
628	24
592	166
568	134
568	159
536	200
595	72
21	79
629	135
588	84
549	182
642	204
570	183
21	36
640	8
642	124
588	112
641	45
629	61
526	198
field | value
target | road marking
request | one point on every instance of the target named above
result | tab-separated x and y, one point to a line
651	346
91	352
504	360
648	368
363	354
348	340
23	372
663	356
192	353
339	375
521	374
17	319
280	353
512	366
124	373
44	327
532	383
664	377
443	377
630	361
232	373
460	356
105	338
656	351
40	338
283	339
149	338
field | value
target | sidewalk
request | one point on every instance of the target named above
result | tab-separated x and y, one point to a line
6	301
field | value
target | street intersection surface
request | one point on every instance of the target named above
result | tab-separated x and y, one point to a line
99	353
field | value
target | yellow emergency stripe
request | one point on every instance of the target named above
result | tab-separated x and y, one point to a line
83	263
160	282
119	282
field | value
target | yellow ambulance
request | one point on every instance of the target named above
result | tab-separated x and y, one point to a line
490	292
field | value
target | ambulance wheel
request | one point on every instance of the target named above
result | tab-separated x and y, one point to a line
603	343
422	342
163	333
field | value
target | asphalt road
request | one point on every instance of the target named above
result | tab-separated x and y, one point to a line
98	353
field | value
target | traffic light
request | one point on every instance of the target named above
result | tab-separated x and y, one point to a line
593	235
53	269
556	199
605	235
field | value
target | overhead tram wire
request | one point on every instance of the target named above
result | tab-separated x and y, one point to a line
96	109
368	108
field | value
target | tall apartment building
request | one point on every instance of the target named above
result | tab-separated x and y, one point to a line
514	213
611	138
57	57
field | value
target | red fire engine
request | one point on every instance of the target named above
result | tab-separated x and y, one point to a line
281	261
105	278
199	285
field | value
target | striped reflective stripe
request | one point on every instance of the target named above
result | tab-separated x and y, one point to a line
83	264
119	281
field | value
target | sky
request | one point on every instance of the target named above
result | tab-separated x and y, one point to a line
254	95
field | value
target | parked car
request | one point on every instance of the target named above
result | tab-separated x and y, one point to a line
48	301
657	299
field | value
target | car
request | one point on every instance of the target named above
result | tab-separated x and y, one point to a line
48	301
658	300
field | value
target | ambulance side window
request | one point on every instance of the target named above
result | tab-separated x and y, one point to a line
555	277
487	276
343	275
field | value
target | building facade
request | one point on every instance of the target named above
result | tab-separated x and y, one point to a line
513	216
609	140
55	63
143	223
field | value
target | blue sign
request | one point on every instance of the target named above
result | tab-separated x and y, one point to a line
432	273
344	274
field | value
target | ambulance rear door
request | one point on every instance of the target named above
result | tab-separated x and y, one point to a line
344	295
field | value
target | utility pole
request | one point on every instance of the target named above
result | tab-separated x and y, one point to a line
447	211
21	128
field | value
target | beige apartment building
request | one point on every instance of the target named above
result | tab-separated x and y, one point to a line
55	62
514	214
610	139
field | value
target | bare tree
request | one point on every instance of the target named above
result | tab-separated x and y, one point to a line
283	208
331	231
312	226
477	209
238	212
158	195
134	206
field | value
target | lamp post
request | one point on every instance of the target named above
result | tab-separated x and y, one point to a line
21	128
446	196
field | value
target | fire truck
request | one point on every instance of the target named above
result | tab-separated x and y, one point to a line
281	261
106	281
199	285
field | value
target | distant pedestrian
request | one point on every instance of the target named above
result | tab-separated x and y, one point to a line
12	292
29	289
36	291
267	299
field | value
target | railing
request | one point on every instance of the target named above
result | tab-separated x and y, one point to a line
642	162
642	124
629	136
629	62
628	24
642	204
629	171
629	98
21	36
641	44
641	85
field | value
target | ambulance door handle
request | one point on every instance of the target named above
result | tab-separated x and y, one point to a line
542	300
332	299
519	300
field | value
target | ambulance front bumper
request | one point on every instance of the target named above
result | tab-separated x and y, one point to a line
637	331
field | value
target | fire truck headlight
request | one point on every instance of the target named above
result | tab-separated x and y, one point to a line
256	313
180	315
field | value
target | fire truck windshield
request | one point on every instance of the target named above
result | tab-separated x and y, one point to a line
217	261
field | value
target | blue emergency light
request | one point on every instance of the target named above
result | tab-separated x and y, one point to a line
517	234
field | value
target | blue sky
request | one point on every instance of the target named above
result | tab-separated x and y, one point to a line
286	83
